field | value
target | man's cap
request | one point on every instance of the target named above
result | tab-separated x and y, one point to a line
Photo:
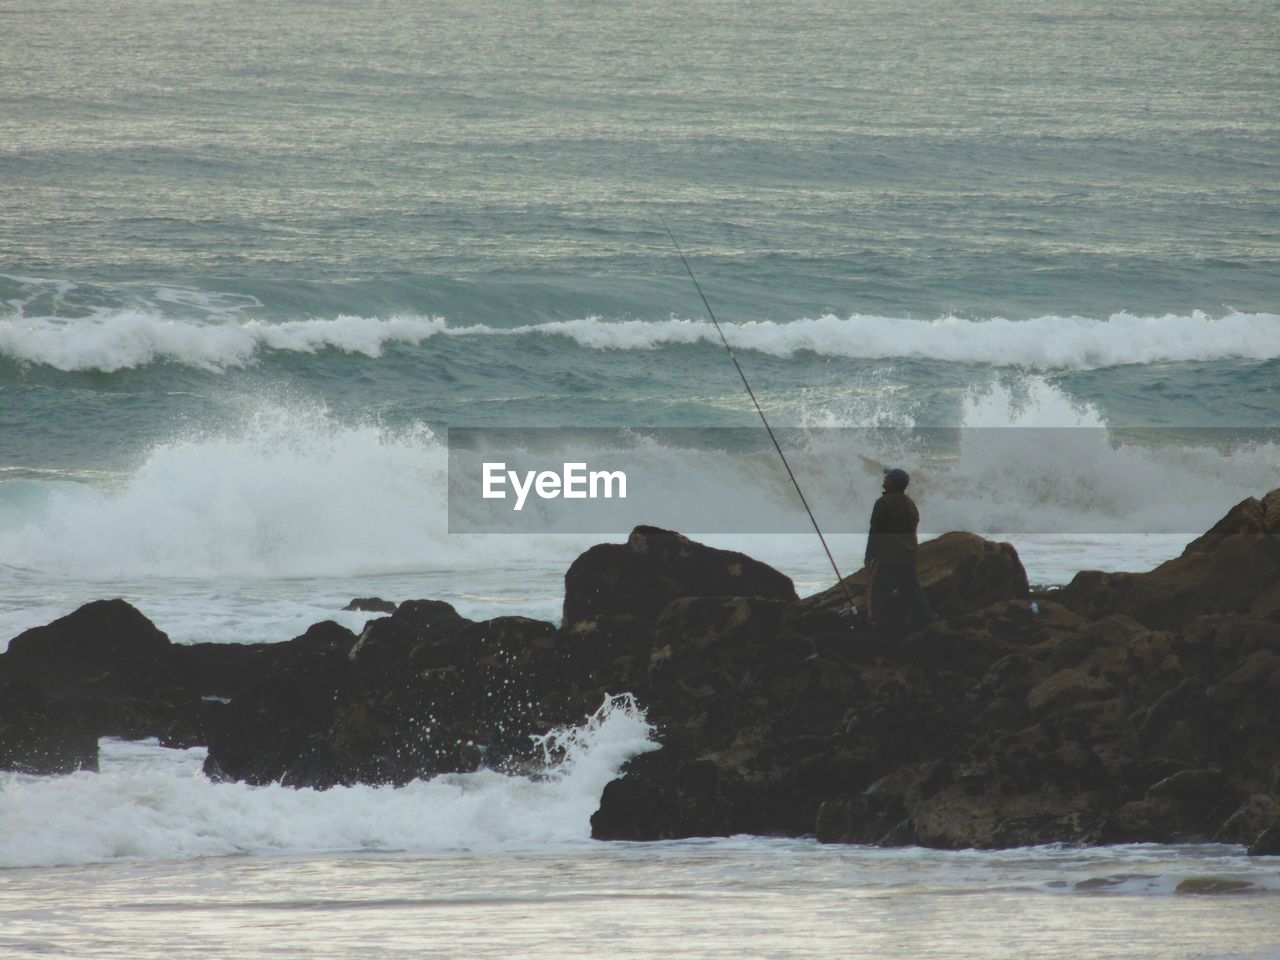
898	476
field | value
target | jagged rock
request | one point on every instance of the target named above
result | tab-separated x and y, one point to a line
81	677
194	723
421	692
266	731
869	819
40	737
1249	517
654	567
1009	720
959	573
1234	568
1249	821
1268	842
957	818
110	668
371	605
744	706
388	642
106	638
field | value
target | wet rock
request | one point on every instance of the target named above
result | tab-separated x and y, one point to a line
662	796
371	605
264	732
1213	886
40	737
1267	843
879	819
106	641
1251	517
388	642
1250	819
1009	720
97	672
958	818
421	692
959	573
654	567
1234	568
1198	788
1181	808
194	723
1067	688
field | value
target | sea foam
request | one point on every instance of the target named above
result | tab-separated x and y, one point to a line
150	803
109	340
289	493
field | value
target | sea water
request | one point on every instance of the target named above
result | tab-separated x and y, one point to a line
256	260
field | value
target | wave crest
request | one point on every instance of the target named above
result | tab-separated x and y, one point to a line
113	340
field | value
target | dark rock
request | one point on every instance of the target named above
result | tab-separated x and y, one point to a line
1066	688
40	737
958	818
389	642
1267	843
421	692
1086	715
1250	517
650	801
107	643
879	819
654	567
101	632
108	665
265	731
1248	822
1234	568
1179	724
371	605
959	573
1180	808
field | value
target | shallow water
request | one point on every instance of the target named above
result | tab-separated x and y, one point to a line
726	898
149	859
256	259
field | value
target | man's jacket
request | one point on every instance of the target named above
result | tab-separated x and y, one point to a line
892	538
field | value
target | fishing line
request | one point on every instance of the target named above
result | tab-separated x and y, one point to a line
763	419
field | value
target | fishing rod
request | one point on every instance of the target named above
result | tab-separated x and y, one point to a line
763	419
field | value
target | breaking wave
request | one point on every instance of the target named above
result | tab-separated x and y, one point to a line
118	339
299	493
152	803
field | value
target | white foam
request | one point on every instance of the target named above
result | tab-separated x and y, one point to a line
150	803
287	493
1042	343
293	496
111	340
116	339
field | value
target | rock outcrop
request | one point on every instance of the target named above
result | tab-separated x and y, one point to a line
959	573
1123	708
1234	568
640	577
105	670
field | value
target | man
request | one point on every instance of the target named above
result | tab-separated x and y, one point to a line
893	589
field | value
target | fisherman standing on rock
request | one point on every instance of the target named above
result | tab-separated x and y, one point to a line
893	588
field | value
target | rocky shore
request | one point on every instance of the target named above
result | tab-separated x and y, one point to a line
1137	707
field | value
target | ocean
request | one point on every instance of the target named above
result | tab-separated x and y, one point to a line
257	260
